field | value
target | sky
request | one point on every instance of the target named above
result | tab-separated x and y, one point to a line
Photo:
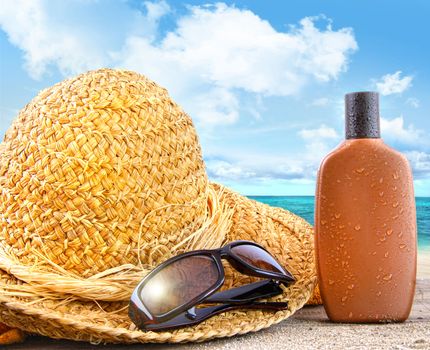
263	81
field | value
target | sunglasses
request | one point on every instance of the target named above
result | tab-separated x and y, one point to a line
168	296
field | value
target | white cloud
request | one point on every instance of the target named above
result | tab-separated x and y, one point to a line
214	54
318	143
411	141
221	169
396	130
217	105
320	102
234	48
233	165
259	166
256	166
66	35
323	132
236	52
413	102
394	84
420	163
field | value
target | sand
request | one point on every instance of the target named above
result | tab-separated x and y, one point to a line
289	335
423	266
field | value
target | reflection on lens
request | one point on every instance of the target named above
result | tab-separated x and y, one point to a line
179	283
257	257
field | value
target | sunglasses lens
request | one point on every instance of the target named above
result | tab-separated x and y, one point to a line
258	257
179	283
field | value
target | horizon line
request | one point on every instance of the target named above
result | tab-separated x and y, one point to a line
297	195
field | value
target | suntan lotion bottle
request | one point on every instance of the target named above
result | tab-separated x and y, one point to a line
365	223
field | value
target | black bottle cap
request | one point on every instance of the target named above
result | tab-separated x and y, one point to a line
362	115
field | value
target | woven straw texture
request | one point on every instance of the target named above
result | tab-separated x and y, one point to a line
102	179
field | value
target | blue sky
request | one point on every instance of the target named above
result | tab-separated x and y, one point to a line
263	80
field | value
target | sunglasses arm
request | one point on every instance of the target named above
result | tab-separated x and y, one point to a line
246	293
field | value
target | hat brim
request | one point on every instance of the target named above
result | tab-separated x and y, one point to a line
288	237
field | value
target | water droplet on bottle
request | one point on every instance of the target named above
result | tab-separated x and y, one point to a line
394	188
323	222
400	234
374	253
357	227
344	298
351	286
386	254
383	239
341	226
396	175
350	315
381	180
379	293
389	232
330	282
395	205
402	246
342	245
381	194
337	215
360	170
388	277
338	181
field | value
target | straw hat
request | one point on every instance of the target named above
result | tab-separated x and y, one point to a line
101	179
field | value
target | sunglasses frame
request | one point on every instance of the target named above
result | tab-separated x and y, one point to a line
140	314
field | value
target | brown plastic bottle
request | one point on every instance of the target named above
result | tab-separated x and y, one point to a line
365	223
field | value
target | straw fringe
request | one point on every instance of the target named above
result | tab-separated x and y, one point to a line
115	284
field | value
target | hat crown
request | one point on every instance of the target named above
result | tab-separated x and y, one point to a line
99	170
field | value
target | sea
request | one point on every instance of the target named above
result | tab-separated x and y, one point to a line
304	207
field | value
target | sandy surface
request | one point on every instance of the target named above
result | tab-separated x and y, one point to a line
423	264
294	333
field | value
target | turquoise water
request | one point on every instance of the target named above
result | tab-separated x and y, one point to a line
304	207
